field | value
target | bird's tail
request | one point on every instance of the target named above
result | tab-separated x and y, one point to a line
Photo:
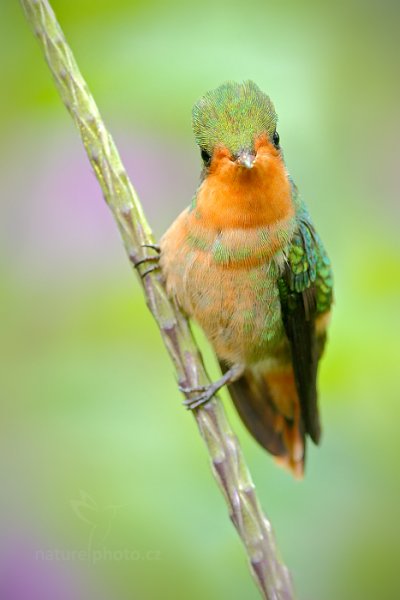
267	402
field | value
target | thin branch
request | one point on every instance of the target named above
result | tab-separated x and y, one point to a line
228	464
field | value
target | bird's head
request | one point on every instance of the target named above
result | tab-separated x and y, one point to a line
235	128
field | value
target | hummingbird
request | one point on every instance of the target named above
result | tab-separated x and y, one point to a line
245	262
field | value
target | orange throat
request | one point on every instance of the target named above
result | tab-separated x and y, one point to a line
232	196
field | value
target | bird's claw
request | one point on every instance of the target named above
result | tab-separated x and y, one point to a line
208	391
147	259
200	399
155	247
192	390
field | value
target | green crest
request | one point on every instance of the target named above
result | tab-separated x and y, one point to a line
233	115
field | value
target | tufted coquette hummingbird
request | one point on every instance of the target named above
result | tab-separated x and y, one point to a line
245	261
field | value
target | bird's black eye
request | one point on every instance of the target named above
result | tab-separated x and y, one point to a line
206	157
275	139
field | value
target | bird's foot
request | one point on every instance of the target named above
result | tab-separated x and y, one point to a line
204	393
154	261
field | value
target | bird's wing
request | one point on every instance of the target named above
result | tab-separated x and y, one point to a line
305	293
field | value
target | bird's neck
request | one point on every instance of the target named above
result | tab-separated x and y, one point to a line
259	197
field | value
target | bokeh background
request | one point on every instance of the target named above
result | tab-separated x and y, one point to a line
96	451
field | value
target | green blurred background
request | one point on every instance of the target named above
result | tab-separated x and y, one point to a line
95	449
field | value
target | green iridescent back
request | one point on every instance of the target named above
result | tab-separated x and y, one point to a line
308	260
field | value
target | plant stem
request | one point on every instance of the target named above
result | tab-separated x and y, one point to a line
228	464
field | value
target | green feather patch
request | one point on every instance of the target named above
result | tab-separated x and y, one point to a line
232	115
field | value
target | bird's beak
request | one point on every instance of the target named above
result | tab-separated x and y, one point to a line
245	159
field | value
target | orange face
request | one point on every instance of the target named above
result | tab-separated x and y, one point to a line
251	190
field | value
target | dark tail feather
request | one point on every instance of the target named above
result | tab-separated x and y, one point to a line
284	438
